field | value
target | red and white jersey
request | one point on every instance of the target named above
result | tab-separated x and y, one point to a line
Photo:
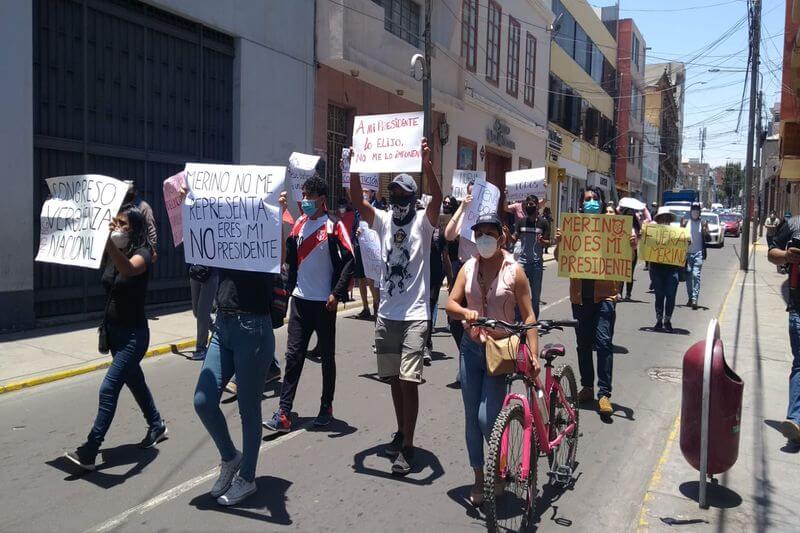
314	264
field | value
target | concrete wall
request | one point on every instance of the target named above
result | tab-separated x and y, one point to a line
16	154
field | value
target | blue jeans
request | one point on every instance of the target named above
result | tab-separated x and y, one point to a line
244	344
595	325
665	283
694	266
793	412
483	397
534	272
128	346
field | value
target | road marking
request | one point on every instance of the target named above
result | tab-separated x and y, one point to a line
548	306
178	490
655	479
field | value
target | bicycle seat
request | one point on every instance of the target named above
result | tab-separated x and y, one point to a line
551	351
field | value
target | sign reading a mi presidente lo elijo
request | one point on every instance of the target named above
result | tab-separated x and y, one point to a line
387	143
231	216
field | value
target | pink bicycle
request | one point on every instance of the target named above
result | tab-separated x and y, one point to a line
544	420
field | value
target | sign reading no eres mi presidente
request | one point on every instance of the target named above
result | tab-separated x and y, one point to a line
595	247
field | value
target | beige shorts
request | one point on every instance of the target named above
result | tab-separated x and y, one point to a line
399	345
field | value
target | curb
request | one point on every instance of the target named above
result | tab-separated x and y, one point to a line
162	349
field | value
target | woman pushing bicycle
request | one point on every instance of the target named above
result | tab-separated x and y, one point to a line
491	285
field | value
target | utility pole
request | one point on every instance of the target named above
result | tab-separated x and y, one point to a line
755	41
426	79
701	178
760	183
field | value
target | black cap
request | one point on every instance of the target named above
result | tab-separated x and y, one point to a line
405	182
492	219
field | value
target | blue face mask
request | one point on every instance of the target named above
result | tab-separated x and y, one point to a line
591	206
309	207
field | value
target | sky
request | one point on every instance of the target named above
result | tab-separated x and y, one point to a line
681	30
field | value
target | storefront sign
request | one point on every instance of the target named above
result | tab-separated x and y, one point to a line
498	134
595	247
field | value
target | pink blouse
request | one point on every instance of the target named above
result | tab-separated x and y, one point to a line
495	300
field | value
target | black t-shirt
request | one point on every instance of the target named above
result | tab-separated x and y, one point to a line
438	244
244	292
125	294
788	232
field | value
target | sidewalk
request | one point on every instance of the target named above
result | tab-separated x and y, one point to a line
760	492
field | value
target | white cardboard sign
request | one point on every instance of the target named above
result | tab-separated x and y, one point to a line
369	244
369	181
522	183
387	143
301	167
231	216
485	197
462	178
74	220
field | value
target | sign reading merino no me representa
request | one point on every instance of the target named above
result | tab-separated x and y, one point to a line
595	247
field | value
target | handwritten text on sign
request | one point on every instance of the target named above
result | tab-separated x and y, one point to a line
301	167
369	244
664	244
462	178
231	217
387	143
369	181
595	247
173	201
522	183
485	198
74	220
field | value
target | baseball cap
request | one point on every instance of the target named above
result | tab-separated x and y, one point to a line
490	218
405	182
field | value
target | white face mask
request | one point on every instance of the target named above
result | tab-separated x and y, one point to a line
342	209
120	238
487	246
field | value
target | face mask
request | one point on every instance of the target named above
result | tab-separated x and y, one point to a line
695	215
401	206
591	206
342	209
530	210
309	207
487	246
120	238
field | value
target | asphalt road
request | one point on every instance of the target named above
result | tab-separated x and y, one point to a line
335	479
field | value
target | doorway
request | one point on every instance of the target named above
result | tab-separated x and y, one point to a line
497	163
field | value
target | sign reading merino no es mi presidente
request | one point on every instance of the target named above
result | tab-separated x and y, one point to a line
595	247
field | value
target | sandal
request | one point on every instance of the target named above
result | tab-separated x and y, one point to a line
476	499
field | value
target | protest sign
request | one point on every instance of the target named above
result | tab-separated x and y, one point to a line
462	178
369	181
74	220
485	198
425	199
231	217
172	201
387	143
522	183
301	167
369	243
595	247
664	244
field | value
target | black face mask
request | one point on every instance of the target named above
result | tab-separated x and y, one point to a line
531	211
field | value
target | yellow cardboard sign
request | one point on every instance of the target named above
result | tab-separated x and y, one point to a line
595	247
664	244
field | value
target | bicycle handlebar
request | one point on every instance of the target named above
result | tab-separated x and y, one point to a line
542	325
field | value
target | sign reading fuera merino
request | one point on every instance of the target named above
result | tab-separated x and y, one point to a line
498	134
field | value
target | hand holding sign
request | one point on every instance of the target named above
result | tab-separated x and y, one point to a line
174	192
301	167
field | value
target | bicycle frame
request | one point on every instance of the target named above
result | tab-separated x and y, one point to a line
532	417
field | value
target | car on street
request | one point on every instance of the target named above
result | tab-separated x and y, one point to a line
732	224
715	228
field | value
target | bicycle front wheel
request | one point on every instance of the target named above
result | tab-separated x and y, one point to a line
562	457
508	496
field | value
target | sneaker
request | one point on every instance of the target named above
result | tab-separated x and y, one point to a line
586	395
325	416
668	325
279	423
791	430
689	303
604	406
239	490
659	325
364	315
82	459
154	435
427	358
273	374
227	469
231	387
394	447
694	305
403	462
199	354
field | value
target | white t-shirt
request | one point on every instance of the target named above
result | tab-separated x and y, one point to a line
315	271
405	279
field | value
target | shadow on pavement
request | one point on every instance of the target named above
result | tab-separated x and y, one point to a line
620	350
549	495
125	454
675	331
718	496
337	428
460	495
268	504
440	356
789	447
423	460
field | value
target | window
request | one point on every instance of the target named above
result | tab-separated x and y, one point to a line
401	17
338	137
469	33
582	49
635	51
467	154
565	106
635	112
631	148
512	63
609	78
591	125
566	31
524	163
530	69
493	42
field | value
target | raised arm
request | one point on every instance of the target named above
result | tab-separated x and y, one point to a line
435	204
453	227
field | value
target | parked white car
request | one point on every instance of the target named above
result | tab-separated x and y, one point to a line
716	230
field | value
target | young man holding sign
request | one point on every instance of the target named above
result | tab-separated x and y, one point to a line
533	233
403	313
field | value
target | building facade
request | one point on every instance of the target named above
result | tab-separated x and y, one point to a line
662	110
650	163
135	90
788	186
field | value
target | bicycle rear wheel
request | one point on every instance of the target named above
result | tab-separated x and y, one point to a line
508	498
562	458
